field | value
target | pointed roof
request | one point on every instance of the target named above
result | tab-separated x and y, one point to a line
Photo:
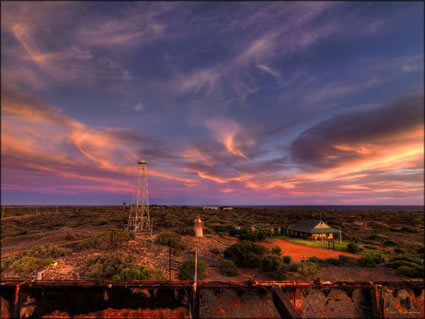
308	226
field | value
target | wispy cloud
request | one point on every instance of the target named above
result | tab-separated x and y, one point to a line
269	70
227	131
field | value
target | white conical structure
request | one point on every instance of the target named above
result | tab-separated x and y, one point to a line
139	219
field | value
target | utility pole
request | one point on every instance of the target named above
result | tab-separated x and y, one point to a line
340	235
169	254
321	231
196	266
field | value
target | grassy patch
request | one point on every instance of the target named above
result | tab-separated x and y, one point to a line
34	259
171	238
141	273
187	270
314	243
108	265
228	268
109	239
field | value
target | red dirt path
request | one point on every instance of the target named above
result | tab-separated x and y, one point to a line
300	252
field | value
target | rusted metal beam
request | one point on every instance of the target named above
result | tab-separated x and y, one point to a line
16	306
283	305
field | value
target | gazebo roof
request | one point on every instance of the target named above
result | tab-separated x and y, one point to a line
307	226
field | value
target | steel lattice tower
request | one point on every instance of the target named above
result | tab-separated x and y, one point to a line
139	219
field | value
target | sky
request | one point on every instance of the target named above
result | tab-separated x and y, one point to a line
230	103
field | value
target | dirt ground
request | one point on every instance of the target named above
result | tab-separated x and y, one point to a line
357	273
300	252
72	267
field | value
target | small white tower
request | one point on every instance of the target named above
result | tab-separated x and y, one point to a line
199	224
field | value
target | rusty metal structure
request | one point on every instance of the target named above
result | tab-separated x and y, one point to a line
139	219
189	299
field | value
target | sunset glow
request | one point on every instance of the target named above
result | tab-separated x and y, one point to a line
241	103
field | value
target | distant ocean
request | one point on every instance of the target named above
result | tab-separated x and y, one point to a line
344	207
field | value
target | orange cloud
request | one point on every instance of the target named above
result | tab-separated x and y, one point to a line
225	131
226	190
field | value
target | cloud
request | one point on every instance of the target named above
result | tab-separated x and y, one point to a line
200	79
40	138
381	137
269	70
139	106
226	131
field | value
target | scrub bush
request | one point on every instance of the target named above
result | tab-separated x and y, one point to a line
245	253
353	248
277	251
228	268
369	261
174	238
109	239
187	270
141	273
270	263
107	265
281	273
308	270
29	264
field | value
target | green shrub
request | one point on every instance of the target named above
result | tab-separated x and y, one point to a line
280	274
245	253
352	248
399	263
408	259
6	262
34	259
107	265
270	263
286	259
390	243
228	268
377	237
399	250
371	242
410	229
187	270
251	236
109	239
141	273
412	272
345	259
293	267
369	261
256	236
314	259
28	264
333	261
277	251
173	238
308	270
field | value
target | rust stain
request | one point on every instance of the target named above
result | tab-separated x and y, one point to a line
145	299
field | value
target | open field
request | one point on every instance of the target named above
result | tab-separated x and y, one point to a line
387	234
300	252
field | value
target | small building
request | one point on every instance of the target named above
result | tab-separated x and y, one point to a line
227	208
312	229
198	226
210	207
